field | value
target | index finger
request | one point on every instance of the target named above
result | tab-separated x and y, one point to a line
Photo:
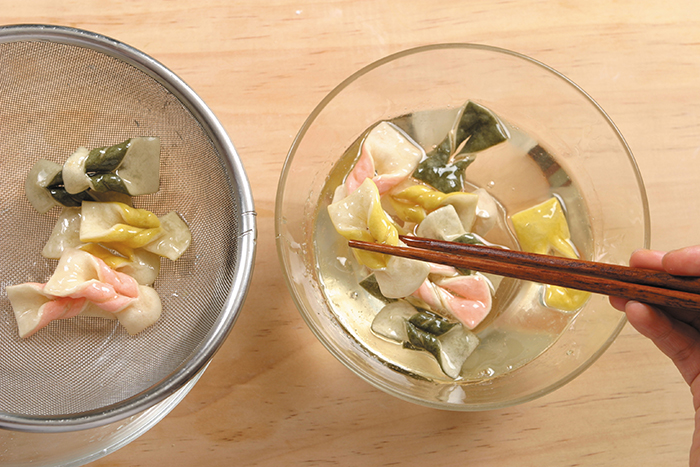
683	262
647	259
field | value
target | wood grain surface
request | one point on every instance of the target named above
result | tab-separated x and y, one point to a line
273	396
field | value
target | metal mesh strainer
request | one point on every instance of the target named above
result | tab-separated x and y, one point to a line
61	88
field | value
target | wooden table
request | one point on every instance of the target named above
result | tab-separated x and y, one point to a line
273	396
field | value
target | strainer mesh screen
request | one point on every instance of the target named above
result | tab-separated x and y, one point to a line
54	98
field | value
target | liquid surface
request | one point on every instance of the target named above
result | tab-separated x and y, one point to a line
518	174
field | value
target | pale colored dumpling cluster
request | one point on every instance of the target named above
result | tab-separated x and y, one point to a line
378	201
108	254
397	189
361	210
130	168
137	169
387	156
83	284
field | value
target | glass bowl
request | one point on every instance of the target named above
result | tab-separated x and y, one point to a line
585	162
76	448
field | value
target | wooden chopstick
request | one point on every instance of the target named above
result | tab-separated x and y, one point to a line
653	287
557	263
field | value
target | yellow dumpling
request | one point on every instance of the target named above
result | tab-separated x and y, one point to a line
359	216
118	225
412	204
561	298
543	229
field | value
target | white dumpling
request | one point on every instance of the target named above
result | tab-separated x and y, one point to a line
34	308
442	224
144	267
75	178
456	345
340	192
140	168
486	212
465	205
174	240
390	322
388	156
350	214
142	312
42	173
395	155
65	234
401	277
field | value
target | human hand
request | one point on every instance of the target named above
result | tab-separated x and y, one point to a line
675	332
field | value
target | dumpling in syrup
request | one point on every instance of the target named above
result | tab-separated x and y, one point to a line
360	216
387	156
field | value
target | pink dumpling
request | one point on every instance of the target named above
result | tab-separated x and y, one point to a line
467	298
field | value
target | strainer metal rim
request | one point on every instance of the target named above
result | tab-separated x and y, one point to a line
246	244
